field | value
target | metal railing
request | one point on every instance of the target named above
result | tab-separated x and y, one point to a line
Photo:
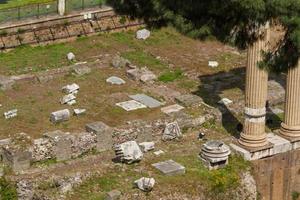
43	9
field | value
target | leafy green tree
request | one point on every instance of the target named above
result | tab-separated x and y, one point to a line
231	21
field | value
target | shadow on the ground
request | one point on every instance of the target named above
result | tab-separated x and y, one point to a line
213	85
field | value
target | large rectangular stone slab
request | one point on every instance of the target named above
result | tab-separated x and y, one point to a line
17	160
103	135
172	109
170	168
146	100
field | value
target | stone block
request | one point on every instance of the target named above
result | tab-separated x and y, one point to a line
169	168
62	144
131	105
103	135
18	160
60	116
280	145
128	152
172	109
252	155
81	70
189	100
114	80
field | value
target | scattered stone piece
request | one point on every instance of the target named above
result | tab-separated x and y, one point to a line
169	168
119	62
60	116
157	153
144	75
143	34
115	80
201	136
145	184
146	146
128	152
80	70
131	105
189	100
103	135
171	132
71	56
172	109
78	111
67	98
213	64
6	83
11	114
225	101
113	195
214	154
146	100
71	89
72	102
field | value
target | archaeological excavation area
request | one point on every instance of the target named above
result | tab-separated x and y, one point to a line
103	107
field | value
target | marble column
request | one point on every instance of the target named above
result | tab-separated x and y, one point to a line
253	134
291	125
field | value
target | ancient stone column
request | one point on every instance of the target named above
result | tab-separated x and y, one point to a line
291	125
61	7
254	134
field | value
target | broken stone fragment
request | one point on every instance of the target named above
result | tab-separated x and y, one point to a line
71	89
146	146
71	103
119	62
67	98
171	132
60	116
79	111
213	64
157	153
225	101
71	56
115	80
128	152
145	184
143	34
11	114
81	70
113	195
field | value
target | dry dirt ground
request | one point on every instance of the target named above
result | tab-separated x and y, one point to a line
164	52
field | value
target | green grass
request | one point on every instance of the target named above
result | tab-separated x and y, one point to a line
143	59
7	190
171	76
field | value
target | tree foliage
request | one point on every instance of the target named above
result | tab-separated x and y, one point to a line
229	21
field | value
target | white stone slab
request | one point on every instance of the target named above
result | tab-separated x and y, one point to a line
131	105
157	153
11	114
79	111
115	80
225	101
146	100
67	98
281	145
73	88
172	109
213	64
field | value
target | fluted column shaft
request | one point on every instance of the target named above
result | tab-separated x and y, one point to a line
291	125
256	91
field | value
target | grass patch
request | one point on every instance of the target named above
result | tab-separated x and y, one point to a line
7	190
171	76
142	59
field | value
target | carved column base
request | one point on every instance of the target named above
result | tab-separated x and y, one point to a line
290	131
253	141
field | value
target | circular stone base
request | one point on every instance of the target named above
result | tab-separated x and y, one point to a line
290	131
253	142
